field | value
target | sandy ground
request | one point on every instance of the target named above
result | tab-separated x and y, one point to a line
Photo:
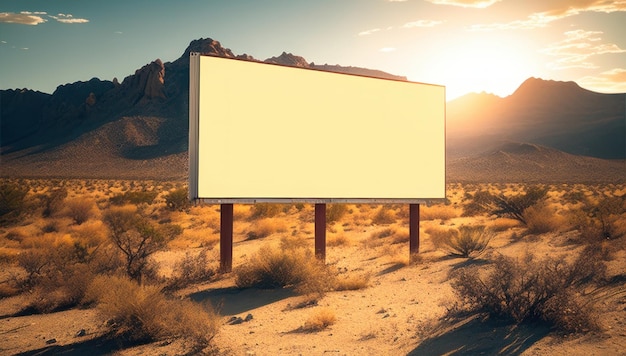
402	311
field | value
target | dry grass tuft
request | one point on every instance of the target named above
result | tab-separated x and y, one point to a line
384	216
466	241
439	211
541	218
319	320
352	282
265	227
277	268
141	312
339	239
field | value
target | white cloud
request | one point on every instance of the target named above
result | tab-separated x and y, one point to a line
368	32
545	12
577	48
481	4
23	18
610	81
67	18
37	17
422	23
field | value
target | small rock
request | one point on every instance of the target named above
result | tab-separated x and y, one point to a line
51	341
248	317
235	320
80	333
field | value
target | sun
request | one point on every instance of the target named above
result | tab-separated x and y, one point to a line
481	64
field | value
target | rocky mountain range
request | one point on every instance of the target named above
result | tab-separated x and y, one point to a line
560	115
138	128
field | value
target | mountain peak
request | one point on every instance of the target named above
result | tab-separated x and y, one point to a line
289	60
534	86
208	46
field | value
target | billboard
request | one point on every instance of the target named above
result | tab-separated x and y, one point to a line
266	132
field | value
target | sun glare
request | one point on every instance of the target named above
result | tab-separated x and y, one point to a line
480	65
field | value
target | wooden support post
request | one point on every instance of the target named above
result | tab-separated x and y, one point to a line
226	237
320	231
414	230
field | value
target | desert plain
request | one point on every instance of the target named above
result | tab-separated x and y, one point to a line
370	297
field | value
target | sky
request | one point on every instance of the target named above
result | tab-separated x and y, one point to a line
466	45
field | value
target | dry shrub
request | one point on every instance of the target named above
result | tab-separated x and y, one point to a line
265	227
142	312
439	211
277	268
541	218
80	209
241	212
339	239
56	274
503	224
319	320
134	197
265	210
293	242
384	216
530	289
466	241
13	202
352	282
92	233
193	268
53	202
335	212
601	220
178	199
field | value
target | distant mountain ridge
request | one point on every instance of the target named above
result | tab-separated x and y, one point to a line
551	113
516	162
38	120
139	127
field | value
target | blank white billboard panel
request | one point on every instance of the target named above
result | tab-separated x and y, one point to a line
269	132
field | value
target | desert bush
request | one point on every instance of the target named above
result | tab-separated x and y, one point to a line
80	209
12	202
142	312
602	220
337	240
265	227
384	216
134	197
275	268
466	241
193	268
530	289
178	199
53	201
56	274
294	242
335	212
265	210
352	282
389	234
136	237
319	320
540	218
505	206
439	211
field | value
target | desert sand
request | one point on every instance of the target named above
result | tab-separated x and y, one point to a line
403	310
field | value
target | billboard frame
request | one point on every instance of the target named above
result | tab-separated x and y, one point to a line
194	143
